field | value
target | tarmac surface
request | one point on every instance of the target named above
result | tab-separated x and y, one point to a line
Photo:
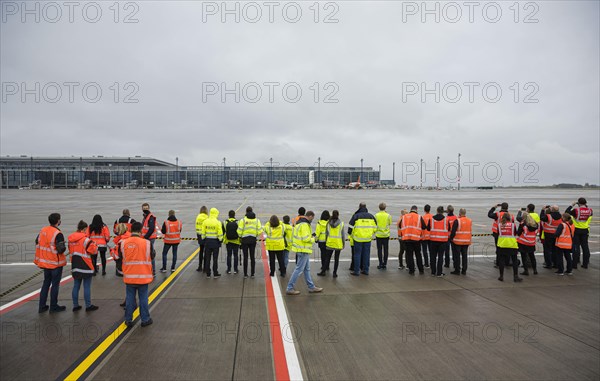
388	325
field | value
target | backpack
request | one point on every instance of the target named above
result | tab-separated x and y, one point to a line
231	230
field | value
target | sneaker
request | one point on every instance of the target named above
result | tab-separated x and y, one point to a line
43	309
455	272
518	279
315	290
199	269
364	273
559	274
384	267
378	268
323	273
217	275
147	323
172	270
584	266
411	273
129	324
208	276
335	275
535	272
426	266
400	267
252	276
354	273
163	270
235	271
501	279
91	308
103	272
569	273
292	292
76	308
228	272
57	309
245	276
441	275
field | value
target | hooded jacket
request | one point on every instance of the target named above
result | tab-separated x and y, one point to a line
81	248
212	230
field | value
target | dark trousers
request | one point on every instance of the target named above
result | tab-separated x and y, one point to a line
323	253
549	250
200	252
166	248
495	235
413	248
459	257
447	254
119	267
248	250
279	256
102	252
51	278
559	260
383	249
425	251
336	260
505	255
528	257
580	238
352	259
211	253
401	253
232	251
436	256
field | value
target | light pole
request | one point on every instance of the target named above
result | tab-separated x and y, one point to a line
394	173
361	168
459	171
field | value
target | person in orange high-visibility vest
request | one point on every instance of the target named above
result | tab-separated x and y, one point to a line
439	232
550	220
99	233
411	228
460	236
81	249
526	235
425	241
171	228
564	244
137	274
450	217
507	246
401	243
149	230
124	219
496	216
49	256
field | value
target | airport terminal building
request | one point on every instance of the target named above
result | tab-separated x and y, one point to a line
145	172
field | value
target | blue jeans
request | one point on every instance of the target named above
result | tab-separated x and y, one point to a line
362	254
51	278
166	248
286	258
303	266
130	304
87	291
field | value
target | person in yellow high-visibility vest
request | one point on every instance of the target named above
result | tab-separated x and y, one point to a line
362	227
302	242
382	235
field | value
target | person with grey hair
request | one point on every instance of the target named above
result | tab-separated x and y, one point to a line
411	228
382	235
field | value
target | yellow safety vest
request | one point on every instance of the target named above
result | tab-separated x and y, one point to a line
288	236
320	230
249	227
334	237
302	240
363	230
275	240
199	221
506	236
384	221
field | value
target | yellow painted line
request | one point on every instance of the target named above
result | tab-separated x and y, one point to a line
242	204
96	353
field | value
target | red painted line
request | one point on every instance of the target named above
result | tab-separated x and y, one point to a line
280	362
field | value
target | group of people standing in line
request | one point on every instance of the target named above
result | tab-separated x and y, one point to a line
425	239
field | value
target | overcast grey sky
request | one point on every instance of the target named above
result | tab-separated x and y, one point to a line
369	66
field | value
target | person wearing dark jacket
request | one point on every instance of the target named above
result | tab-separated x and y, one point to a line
124	219
582	215
362	227
550	219
149	231
439	240
50	257
249	228
496	217
171	229
335	241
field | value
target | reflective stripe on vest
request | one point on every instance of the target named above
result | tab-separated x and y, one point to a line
527	238
550	226
46	255
173	234
384	221
506	236
250	228
146	228
410	227
584	216
439	230
136	270
275	240
334	236
298	242
565	239
463	231
426	234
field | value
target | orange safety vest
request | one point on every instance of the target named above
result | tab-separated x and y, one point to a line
410	227
173	234
439	230
425	234
550	226
527	237
146	228
565	239
463	231
116	252
82	248
100	239
137	260
128	224
498	218
46	256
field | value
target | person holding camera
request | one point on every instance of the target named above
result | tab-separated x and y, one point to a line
582	216
496	216
550	219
